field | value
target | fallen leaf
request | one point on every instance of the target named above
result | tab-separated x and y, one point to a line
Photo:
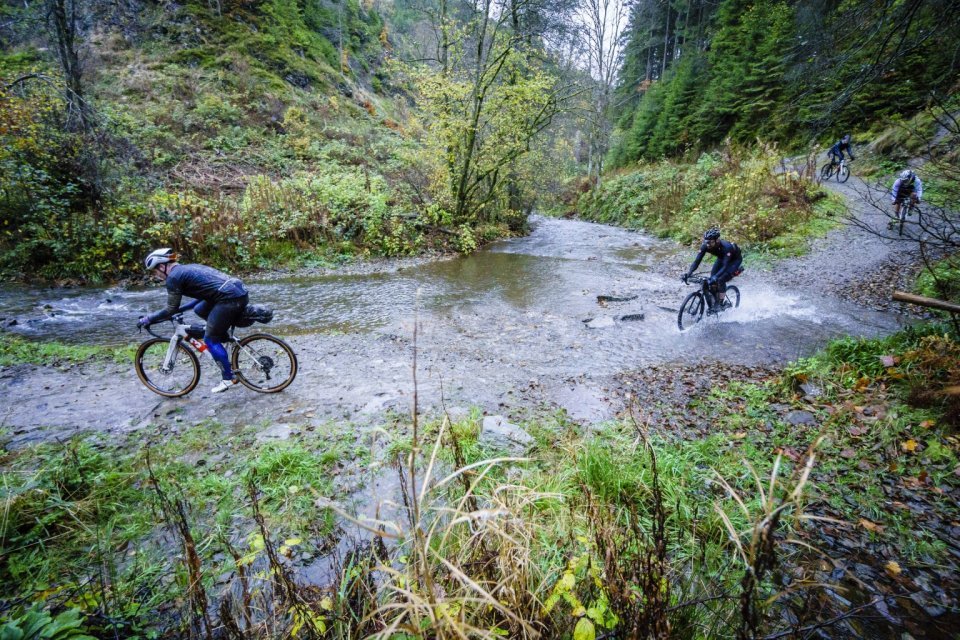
888	361
858	431
871	526
848	453
909	446
739	435
893	568
927	424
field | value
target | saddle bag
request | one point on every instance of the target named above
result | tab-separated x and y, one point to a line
255	313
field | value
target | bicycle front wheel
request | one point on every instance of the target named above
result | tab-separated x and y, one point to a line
177	380
691	311
264	363
843	173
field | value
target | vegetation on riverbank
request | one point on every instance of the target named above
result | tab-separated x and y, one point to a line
15	350
754	200
631	524
260	135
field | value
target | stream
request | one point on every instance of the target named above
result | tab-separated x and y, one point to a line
517	324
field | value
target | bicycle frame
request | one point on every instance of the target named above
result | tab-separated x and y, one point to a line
181	334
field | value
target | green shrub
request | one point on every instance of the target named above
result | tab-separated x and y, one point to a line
743	192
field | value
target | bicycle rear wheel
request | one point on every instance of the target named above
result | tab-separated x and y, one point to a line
264	363
843	173
179	380
733	296
691	311
826	171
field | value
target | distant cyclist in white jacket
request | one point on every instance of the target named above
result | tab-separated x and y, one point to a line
908	185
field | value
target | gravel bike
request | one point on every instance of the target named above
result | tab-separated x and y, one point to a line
169	366
704	301
907	208
840	169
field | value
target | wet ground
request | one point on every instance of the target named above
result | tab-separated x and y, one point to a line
514	326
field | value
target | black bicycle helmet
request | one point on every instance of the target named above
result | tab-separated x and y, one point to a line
713	233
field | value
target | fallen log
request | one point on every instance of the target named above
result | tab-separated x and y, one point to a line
933	303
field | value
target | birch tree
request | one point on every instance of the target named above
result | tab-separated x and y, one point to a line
603	21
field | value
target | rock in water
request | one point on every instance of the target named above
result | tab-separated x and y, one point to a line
497	433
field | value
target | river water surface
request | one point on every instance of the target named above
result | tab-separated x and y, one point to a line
516	323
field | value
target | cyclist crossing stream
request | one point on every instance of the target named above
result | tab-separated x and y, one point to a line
515	326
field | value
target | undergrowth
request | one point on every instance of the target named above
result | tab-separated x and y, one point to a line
625	530
748	194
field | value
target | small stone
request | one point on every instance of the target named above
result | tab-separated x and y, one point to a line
800	418
811	390
497	433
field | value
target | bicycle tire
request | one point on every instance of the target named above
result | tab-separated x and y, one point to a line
693	306
147	365
826	171
257	374
902	215
734	294
843	173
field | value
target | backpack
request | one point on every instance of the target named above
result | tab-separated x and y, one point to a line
254	313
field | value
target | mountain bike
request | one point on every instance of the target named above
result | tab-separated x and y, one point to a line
840	169
907	208
168	365
704	301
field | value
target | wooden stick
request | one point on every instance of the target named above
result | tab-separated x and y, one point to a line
903	296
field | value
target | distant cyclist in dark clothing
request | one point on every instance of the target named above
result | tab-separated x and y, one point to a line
729	261
218	298
836	151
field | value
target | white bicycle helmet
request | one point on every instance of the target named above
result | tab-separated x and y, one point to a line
907	175
159	257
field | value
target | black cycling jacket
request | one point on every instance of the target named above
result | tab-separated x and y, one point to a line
728	254
200	282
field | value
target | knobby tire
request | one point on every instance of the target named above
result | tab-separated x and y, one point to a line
843	173
147	364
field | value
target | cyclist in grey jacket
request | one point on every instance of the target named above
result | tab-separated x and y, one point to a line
907	186
218	298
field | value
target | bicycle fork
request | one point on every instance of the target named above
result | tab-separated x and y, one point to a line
171	357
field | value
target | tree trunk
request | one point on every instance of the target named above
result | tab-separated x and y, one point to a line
65	28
